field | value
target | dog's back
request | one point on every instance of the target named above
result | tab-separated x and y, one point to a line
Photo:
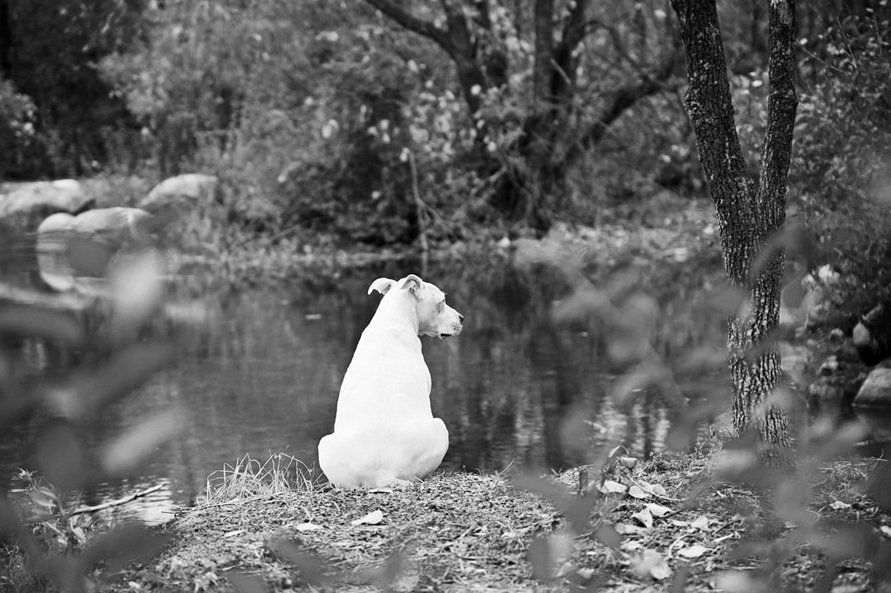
384	431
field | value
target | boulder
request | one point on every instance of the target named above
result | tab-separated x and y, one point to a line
71	247
876	390
872	335
174	190
38	198
836	382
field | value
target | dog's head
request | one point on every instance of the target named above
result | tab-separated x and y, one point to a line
435	317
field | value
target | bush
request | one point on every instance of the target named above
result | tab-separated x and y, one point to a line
839	177
17	137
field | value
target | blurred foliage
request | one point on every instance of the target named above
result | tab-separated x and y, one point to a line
840	177
90	358
17	113
52	52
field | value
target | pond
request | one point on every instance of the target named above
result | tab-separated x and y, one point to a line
520	386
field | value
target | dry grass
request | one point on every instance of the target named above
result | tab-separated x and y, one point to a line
251	478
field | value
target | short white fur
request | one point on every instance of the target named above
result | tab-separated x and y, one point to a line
384	431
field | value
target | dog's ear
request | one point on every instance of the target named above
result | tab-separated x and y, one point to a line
412	283
382	285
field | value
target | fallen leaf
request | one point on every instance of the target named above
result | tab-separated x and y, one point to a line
233	533
661	571
628	529
308	527
611	487
657	510
885	530
372	518
700	522
586	573
838	505
643	517
628	462
638	492
694	551
615	450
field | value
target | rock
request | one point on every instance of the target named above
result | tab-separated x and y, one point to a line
872	336
876	390
836	382
71	247
38	198
174	190
115	227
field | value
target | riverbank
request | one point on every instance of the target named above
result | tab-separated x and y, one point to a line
664	524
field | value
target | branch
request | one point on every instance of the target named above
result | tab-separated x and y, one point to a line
622	100
484	18
117	502
574	26
413	23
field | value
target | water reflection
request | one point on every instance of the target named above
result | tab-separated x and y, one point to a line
513	388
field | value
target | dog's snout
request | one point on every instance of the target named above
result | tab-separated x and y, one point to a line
460	318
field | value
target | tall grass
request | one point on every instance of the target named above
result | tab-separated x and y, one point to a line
249	477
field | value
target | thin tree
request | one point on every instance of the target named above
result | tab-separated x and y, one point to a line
750	209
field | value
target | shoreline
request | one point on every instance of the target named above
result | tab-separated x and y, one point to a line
662	524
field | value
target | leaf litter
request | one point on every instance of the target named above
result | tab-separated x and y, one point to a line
471	532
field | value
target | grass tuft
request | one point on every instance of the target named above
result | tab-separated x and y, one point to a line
249	477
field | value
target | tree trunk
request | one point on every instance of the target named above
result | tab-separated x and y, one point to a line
749	215
5	40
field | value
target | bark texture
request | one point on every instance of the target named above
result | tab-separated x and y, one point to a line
750	214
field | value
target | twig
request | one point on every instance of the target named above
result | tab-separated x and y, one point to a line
118	502
650	491
264	497
419	204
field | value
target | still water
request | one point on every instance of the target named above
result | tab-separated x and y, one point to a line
261	375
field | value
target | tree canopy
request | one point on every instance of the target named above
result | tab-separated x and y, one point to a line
380	119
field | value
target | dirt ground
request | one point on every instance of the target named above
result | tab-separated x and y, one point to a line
657	526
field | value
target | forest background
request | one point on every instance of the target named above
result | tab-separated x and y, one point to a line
386	123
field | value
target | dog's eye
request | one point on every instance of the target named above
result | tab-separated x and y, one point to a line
439	306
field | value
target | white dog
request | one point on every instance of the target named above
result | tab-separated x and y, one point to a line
385	432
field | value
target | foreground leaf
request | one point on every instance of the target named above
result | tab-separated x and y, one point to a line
694	551
372	518
651	564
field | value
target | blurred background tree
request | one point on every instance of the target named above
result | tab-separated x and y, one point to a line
373	122
50	53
